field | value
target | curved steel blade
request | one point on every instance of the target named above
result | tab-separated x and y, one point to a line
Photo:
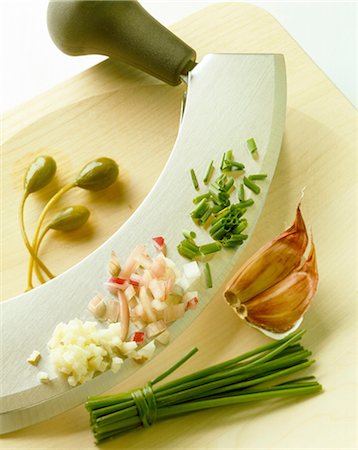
231	97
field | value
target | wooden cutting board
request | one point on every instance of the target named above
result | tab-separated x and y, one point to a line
99	113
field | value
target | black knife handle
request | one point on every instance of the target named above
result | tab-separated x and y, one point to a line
121	30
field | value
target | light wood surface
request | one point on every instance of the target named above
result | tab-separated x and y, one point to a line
319	153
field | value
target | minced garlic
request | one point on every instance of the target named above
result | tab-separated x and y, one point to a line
34	358
43	377
80	349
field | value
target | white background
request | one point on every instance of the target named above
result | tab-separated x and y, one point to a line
31	64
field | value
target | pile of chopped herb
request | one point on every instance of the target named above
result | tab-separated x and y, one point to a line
221	209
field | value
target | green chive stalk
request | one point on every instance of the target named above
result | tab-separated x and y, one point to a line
253	376
194	179
209	172
251	185
208	277
251	145
258	176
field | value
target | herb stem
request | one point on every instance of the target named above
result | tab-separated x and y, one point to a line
175	366
36	251
27	242
40	221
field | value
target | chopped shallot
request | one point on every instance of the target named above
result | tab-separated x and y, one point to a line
157	305
112	311
192	303
159	242
158	267
155	328
163	338
192	271
157	288
145	353
174	312
130	292
138	337
131	263
97	306
149	292
124	314
145	300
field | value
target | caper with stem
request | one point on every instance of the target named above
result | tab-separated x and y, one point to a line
67	219
98	174
94	176
38	175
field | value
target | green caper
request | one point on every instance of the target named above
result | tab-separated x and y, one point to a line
70	218
98	174
39	173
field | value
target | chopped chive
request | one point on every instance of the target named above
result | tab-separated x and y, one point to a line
186	252
206	216
251	185
231	164
240	227
226	160
189	234
190	245
218	208
245	203
251	145
232	244
209	172
222	161
241	193
229	184
194	179
214	197
200	210
217	225
199	198
258	176
208	278
242	237
214	189
218	234
223	212
213	247
229	156
221	180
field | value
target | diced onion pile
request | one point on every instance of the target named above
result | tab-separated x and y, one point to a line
148	293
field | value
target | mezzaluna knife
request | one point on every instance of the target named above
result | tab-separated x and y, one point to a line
229	98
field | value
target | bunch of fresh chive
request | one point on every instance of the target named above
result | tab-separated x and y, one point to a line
244	379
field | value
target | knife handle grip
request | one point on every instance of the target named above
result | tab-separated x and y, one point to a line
121	30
